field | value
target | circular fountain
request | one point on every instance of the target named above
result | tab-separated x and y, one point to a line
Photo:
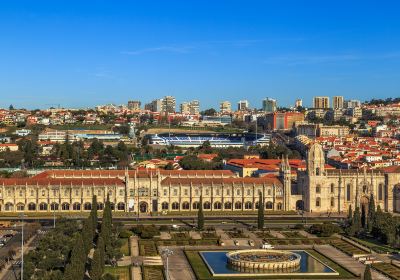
263	259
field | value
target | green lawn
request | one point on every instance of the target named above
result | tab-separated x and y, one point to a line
374	245
125	246
121	272
347	248
202	272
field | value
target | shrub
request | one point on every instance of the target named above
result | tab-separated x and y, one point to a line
125	234
324	230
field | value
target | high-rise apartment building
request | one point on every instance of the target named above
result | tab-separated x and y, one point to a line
338	102
225	107
155	105
168	104
269	105
352	103
243	105
321	102
134	105
192	107
298	103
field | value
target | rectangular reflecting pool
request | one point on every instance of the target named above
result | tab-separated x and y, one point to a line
216	262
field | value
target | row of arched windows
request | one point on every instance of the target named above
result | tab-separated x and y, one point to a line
218	205
64	206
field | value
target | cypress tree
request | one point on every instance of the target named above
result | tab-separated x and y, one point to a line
260	220
106	226
356	224
96	269
367	273
93	213
100	247
75	269
350	214
87	234
371	212
200	215
363	217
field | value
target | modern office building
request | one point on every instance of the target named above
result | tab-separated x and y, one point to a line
269	105
321	102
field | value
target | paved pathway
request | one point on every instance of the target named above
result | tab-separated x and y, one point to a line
179	267
351	264
277	234
134	243
194	234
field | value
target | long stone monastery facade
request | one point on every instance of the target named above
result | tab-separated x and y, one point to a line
315	189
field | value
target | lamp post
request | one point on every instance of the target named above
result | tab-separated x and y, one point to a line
166	253
21	216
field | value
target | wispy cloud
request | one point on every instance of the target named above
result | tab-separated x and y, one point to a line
170	49
310	59
293	59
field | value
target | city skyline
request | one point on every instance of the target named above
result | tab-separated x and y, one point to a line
81	55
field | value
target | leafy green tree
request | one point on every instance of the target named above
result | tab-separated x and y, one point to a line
106	227
200	215
371	212
260	219
367	273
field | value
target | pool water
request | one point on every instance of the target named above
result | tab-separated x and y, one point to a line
218	266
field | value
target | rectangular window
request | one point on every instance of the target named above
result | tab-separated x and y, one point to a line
165	192
186	192
228	192
175	192
132	192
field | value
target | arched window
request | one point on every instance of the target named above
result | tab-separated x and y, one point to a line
279	206
196	205
318	189
185	205
268	205
217	205
20	207
87	206
269	191
9	207
207	205
248	205
238	205
31	206
317	171
332	202
54	206
175	206
238	191
318	202
164	206
121	206
279	191
332	188
257	205
348	192
100	206
112	206
380	192
65	206
76	206
43	206
228	205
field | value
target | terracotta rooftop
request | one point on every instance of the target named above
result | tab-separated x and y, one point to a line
207	181
60	181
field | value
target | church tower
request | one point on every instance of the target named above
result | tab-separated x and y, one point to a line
286	177
316	160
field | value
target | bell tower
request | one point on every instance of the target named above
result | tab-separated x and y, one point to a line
286	177
316	160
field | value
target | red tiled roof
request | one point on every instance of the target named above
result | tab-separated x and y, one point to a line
60	181
237	180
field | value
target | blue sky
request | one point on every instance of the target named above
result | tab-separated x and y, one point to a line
83	53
